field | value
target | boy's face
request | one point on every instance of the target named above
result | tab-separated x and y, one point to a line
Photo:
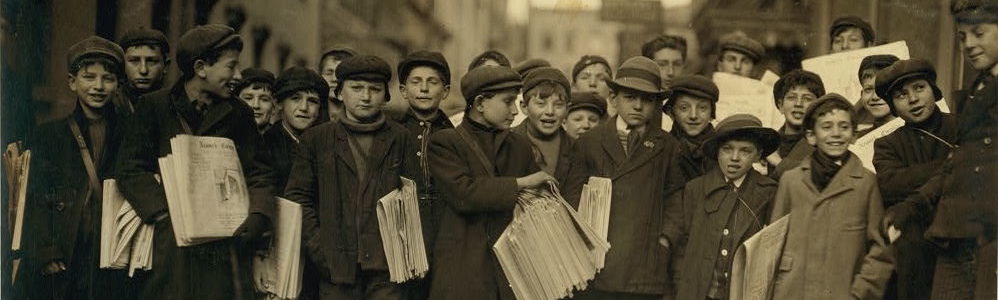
328	73
914	101
735	62
980	44
498	110
93	84
794	103
424	89
635	108
876	106
832	133
335	110
579	121
546	115
735	158
593	78
219	75
670	64
362	99
849	39
260	99
301	109
692	113
145	67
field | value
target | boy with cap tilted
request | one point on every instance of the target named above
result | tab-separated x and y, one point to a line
834	248
905	160
257	90
590	74
200	104
339	173
301	93
585	111
147	55
739	54
545	102
691	105
669	52
480	168
642	160
850	33
723	208
793	94
72	157
871	110
327	68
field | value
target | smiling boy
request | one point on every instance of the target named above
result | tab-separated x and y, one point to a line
692	106
793	94
545	102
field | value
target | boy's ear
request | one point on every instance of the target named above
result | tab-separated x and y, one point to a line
446	93
477	105
71	81
199	66
403	92
811	138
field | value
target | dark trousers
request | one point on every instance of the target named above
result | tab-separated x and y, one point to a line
916	263
370	285
965	270
83	278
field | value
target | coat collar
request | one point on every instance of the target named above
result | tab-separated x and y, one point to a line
654	141
379	147
440	120
843	181
714	182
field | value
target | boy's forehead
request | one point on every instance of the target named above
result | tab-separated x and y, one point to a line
424	72
94	68
687	98
143	49
849	30
834	115
800	89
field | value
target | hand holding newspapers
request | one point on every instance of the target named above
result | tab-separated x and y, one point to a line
206	192
126	242
402	233
278	271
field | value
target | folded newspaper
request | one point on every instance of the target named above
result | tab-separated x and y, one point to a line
278	271
402	233
126	242
16	166
594	208
205	189
547	252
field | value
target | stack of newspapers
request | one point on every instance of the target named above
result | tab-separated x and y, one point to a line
125	241
547	252
402	233
205	188
278	271
16	164
594	207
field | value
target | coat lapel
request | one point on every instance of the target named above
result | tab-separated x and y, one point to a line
754	196
215	114
379	151
842	182
651	144
611	145
343	151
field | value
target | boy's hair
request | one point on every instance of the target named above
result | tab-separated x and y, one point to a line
545	89
255	85
96	59
662	42
974	11
470	100
810	81
826	105
211	57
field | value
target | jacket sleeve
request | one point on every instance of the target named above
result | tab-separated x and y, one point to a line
578	174
467	192
138	165
39	230
871	280
896	178
256	162
302	188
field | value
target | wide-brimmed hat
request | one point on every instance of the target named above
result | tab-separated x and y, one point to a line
743	126
641	74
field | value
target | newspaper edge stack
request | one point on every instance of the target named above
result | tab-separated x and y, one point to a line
401	231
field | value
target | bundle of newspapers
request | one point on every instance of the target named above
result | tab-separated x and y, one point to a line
125	242
278	271
594	207
205	189
402	233
16	166
547	252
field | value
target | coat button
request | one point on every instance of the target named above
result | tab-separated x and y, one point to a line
419	153
421	123
367	255
724	252
987	141
977	169
60	206
419	137
725	231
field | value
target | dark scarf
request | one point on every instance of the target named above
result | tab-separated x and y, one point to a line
788	141
692	143
932	124
824	168
366	127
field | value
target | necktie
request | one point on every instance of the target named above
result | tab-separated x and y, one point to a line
633	139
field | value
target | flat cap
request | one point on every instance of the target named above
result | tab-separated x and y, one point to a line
526	66
430	59
877	61
852	21
144	36
198	41
743	126
364	67
254	75
488	78
489	55
588	60
974	11
696	85
341	51
95	45
641	74
298	78
896	75
834	99
545	74
588	100
744	44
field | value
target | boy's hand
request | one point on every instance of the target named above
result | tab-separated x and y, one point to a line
534	180
53	267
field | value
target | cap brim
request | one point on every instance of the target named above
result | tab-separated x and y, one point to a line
503	86
692	92
225	41
768	139
638	85
594	107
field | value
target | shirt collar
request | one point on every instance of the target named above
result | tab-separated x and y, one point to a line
738	182
622	126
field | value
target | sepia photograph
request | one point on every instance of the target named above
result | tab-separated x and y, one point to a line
499	149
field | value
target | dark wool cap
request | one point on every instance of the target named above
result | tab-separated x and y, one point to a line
828	99
529	65
144	36
975	11
588	100
539	75
741	43
296	79
743	126
364	67
851	21
588	60
95	45
487	55
488	78
430	59
896	75
878	61
693	85
255	75
198	41
341	51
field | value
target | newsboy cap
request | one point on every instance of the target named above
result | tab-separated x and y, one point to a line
364	67
588	60
744	44
255	75
842	23
420	58
488	78
144	36
298	78
545	74
526	66
742	126
896	75
95	45
641	74
693	85
489	55
588	100
974	11
202	39
833	99
877	61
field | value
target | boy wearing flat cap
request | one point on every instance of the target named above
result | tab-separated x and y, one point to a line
339	173
871	110
739	54
585	111
327	68
642	160
691	105
545	102
590	74
480	168
793	94
202	104
147	55
669	52
850	33
835	248
722	208
301	93
73	156
257	91
905	160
